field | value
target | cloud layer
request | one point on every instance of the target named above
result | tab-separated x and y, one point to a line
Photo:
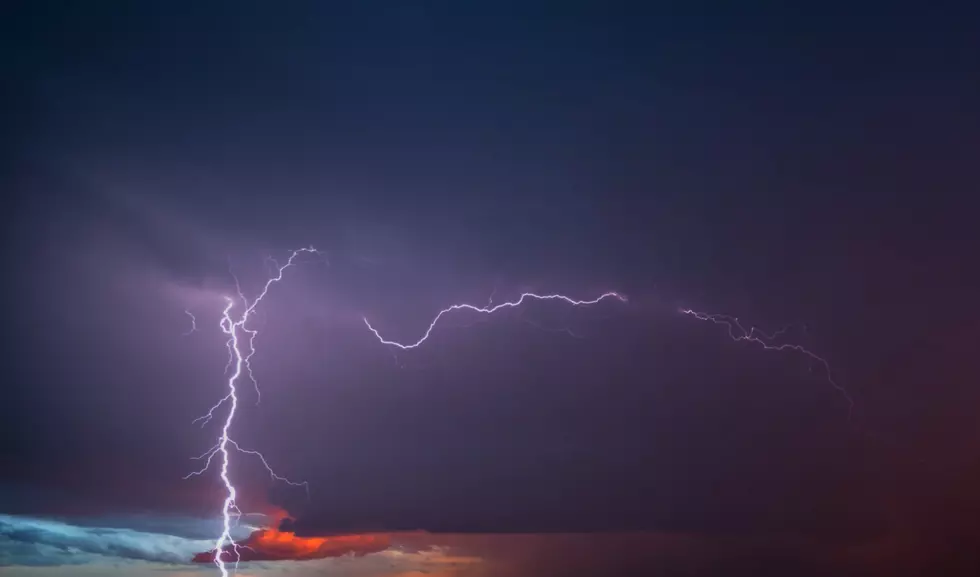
46	546
30	541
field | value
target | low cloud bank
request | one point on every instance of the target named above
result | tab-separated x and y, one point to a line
31	541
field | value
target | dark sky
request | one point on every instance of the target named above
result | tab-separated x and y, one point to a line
789	163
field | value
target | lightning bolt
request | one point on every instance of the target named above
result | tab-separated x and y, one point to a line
488	310
768	341
736	330
239	363
239	359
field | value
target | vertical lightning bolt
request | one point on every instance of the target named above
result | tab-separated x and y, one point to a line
768	341
487	310
239	363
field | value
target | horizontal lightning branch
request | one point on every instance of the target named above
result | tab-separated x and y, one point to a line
490	310
208	456
768	341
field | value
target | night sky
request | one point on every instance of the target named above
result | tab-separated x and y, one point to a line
800	165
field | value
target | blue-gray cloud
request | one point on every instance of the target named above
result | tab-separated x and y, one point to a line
31	541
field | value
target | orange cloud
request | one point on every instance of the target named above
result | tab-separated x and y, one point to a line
273	545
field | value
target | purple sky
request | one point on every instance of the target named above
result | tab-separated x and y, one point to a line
804	167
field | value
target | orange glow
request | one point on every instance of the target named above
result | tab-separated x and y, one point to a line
273	545
295	547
